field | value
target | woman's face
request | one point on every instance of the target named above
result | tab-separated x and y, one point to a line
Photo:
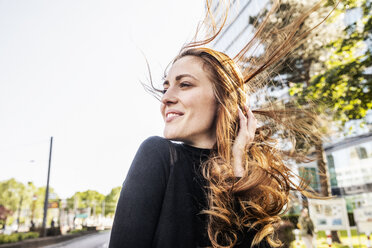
188	105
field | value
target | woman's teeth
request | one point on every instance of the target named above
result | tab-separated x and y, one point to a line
172	114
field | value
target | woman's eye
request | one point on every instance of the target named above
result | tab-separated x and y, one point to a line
185	84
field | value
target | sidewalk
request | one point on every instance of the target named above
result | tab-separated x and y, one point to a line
38	242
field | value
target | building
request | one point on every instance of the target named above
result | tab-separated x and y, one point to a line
350	160
350	169
238	31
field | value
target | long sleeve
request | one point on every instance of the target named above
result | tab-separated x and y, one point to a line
142	195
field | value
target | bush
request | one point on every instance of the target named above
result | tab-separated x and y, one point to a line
15	237
30	235
4	239
78	230
53	231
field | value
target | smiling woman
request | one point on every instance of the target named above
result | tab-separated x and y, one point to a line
189	105
225	182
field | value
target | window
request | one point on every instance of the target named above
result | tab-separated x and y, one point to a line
310	175
331	170
362	152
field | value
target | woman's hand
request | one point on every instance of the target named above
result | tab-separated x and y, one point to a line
247	129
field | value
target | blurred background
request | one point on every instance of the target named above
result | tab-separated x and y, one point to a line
72	70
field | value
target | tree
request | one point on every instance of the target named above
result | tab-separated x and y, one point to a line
344	87
11	193
307	59
111	200
38	198
4	213
305	63
16	196
87	199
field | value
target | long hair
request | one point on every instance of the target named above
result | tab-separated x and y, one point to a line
256	200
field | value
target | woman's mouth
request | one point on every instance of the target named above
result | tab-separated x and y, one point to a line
170	116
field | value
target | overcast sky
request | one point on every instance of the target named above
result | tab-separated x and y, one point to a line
71	69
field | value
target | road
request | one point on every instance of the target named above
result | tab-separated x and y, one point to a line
96	240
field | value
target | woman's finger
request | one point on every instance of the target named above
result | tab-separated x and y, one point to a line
245	136
242	118
251	118
251	123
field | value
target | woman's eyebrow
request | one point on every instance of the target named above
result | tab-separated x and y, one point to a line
179	77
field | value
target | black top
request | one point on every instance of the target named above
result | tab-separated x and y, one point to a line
161	199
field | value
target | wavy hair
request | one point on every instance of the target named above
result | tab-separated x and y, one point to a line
257	199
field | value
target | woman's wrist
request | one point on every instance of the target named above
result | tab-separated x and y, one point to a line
238	165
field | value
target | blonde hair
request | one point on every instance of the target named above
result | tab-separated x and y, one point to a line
257	199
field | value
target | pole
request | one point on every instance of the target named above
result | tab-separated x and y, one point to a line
47	190
297	235
348	227
360	245
349	235
329	238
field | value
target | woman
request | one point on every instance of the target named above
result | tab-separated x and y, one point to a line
307	228
172	172
225	182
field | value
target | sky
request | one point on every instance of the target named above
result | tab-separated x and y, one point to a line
72	69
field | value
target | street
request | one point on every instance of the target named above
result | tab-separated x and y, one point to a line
97	240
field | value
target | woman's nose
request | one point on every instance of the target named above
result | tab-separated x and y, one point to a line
169	97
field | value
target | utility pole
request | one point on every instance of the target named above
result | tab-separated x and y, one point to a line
47	190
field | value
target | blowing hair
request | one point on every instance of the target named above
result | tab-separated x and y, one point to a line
257	199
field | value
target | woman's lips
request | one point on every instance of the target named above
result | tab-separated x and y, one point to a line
171	115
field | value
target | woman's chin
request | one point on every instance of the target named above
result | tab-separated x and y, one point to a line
172	136
169	135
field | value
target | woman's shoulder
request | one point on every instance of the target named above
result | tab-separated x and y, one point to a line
153	140
159	147
156	143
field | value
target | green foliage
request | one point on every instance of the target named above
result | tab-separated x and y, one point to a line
11	192
86	199
111	200
308	57
78	230
93	199
15	237
344	87
14	195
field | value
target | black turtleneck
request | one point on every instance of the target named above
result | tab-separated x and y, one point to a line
162	197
